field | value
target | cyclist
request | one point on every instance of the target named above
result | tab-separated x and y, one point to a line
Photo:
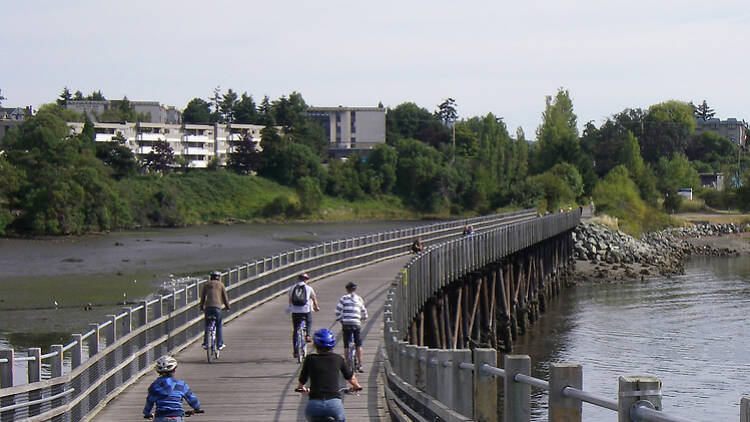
302	301
167	392
213	296
351	312
323	369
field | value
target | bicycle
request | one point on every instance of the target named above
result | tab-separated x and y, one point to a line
212	349
188	413
300	342
351	357
345	390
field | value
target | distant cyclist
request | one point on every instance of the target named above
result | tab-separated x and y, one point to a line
302	301
324	370
213	296
351	312
167	392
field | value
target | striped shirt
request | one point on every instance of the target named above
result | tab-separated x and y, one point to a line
351	309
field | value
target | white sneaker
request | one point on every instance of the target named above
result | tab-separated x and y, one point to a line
222	346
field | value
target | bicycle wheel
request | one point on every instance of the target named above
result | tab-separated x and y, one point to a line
352	355
211	340
301	344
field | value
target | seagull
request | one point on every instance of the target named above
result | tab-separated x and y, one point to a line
55	304
135	281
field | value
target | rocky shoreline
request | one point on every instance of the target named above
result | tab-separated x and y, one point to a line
604	255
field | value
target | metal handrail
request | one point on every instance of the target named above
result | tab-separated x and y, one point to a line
589	398
38	401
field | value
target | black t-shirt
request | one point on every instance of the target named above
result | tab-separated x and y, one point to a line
323	370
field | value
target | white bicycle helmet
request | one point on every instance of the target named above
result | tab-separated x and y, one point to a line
166	364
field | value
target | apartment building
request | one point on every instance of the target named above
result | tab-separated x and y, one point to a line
350	128
735	130
200	144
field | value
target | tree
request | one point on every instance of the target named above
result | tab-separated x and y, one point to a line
117	156
446	112
287	111
160	158
667	128
1	98
64	97
78	96
245	111
96	96
557	136
703	111
287	163
245	157
227	106
197	112
310	196
676	173
64	191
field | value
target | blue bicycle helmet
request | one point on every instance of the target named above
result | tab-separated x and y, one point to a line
324	338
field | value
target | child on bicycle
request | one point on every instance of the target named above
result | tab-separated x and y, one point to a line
351	312
167	392
213	296
302	301
323	369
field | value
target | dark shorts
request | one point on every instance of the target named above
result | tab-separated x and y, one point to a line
347	330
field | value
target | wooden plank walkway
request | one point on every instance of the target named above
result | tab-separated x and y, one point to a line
255	378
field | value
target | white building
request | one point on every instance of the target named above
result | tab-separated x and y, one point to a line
158	113
200	144
350	128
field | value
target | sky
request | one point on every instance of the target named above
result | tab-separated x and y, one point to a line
497	57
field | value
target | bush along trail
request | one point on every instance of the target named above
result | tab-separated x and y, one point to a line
604	255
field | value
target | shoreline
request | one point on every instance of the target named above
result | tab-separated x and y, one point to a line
595	272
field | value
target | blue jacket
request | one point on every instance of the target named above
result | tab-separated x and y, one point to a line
167	393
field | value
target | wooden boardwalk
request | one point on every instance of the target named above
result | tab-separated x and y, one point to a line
255	378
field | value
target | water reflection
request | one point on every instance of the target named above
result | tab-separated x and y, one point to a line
687	330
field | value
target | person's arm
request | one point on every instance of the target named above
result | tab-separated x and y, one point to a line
363	312
339	309
203	297
149	404
314	298
191	399
225	298
303	374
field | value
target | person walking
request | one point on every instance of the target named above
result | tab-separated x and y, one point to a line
302	301
213	297
351	312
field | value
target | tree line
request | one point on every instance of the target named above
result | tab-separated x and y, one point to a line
631	166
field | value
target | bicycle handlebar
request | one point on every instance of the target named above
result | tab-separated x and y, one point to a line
188	413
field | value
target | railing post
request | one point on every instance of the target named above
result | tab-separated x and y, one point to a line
431	377
445	378
144	313
637	390
485	386
158	310
76	353
463	380
745	409
94	339
56	361
111	334
411	370
421	366
34	368
127	323
561	408
517	395
6	368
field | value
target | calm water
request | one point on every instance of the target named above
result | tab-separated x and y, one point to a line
690	331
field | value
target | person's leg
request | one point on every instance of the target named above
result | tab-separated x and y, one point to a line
346	331
219	337
358	343
315	409
205	328
308	324
335	408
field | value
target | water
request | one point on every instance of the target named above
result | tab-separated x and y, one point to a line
686	330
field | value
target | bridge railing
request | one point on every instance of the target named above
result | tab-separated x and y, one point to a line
444	384
75	380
